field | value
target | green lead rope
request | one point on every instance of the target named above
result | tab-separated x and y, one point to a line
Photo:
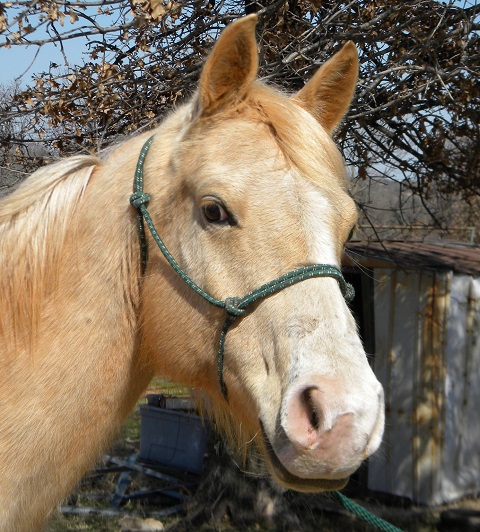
236	307
364	514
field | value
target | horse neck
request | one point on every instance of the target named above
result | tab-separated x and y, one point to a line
62	400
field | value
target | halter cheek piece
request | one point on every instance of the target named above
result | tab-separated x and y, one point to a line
235	307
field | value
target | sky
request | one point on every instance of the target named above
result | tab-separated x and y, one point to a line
26	61
31	60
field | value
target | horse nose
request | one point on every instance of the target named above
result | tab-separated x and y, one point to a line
331	424
308	416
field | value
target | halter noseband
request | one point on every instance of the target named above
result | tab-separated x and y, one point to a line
235	307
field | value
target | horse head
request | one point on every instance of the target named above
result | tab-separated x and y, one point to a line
246	184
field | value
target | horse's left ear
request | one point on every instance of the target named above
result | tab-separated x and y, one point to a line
328	94
230	68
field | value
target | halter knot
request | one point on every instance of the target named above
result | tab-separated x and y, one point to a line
139	198
232	306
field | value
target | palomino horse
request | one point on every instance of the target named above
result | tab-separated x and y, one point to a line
245	185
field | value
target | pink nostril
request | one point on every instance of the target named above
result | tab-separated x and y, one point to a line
304	417
311	417
311	405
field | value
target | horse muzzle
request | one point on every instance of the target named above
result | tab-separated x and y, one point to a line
325	431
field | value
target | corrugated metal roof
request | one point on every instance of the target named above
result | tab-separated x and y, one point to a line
459	258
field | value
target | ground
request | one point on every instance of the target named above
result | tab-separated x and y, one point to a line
227	500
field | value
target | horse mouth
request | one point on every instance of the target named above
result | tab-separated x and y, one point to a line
291	481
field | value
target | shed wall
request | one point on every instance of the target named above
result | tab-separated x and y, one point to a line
428	360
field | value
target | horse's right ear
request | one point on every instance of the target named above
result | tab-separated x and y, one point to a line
230	68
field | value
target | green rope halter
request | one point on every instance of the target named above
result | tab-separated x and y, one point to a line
235	307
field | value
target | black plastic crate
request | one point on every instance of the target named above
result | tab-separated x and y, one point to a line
172	438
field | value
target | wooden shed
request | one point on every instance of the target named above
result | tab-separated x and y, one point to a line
418	310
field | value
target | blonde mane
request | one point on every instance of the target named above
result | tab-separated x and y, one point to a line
33	223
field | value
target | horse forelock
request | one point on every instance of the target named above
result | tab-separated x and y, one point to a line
306	146
33	223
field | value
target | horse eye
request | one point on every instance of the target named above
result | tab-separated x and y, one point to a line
214	213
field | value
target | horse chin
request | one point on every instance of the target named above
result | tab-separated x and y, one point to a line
281	474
